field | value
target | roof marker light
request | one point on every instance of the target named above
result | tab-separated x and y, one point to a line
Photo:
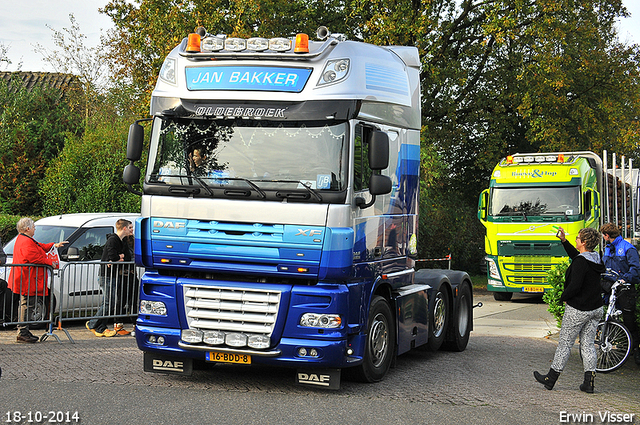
193	43
302	43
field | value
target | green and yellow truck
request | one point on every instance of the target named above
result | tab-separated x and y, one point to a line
529	197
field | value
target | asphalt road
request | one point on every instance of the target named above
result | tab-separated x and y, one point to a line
489	383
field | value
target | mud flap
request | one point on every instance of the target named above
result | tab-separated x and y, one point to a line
326	379
166	364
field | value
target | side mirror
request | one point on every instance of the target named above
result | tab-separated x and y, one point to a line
131	174
135	142
73	254
482	205
379	150
378	185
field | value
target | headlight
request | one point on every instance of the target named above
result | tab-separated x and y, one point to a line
235	340
156	308
259	342
168	71
192	336
314	320
213	337
493	269
334	71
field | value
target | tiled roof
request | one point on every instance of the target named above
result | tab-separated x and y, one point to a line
33	79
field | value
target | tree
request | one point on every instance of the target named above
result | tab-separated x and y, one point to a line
4	58
87	175
498	77
33	125
74	57
147	31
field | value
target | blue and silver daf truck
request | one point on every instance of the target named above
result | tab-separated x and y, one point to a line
279	212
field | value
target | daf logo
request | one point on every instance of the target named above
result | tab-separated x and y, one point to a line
168	224
314	379
168	365
308	232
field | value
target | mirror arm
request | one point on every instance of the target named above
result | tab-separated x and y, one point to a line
132	190
362	204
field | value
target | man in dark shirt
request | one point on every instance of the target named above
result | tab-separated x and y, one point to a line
115	250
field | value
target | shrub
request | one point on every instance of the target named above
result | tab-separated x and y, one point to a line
555	278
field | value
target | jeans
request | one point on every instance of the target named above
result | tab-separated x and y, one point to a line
108	285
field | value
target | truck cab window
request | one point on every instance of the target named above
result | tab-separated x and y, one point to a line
362	172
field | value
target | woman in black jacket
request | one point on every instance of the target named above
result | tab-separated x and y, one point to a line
583	310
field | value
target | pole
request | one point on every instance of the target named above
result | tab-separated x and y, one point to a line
615	189
604	196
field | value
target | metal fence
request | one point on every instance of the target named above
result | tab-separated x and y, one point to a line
76	292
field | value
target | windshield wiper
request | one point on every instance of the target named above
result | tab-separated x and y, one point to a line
203	184
176	188
306	186
249	182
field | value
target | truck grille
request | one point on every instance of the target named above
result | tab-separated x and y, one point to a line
532	267
528	279
231	310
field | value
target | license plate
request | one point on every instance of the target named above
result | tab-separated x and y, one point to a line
213	356
533	289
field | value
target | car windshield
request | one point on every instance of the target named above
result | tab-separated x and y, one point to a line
45	234
249	154
527	201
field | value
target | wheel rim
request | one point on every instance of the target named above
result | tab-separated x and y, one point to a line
612	350
463	316
379	339
38	311
439	315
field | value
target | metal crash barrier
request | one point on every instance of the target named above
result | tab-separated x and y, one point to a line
31	281
81	291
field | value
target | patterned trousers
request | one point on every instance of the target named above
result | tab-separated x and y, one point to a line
574	323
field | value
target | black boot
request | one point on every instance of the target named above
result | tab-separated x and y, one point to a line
549	380
587	385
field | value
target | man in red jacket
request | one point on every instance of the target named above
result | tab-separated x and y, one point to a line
29	281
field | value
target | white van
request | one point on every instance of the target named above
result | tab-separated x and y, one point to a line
87	235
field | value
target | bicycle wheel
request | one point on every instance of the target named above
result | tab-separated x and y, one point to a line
613	349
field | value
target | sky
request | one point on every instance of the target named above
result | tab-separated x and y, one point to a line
24	26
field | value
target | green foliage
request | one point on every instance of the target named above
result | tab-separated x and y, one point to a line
8	227
555	277
32	131
87	176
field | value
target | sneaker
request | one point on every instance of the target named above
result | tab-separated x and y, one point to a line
108	333
95	332
120	330
30	339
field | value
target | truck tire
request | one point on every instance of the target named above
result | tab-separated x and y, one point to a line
462	318
438	318
502	296
379	350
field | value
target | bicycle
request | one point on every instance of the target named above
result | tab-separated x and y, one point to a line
613	340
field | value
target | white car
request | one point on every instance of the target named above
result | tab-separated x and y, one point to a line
87	235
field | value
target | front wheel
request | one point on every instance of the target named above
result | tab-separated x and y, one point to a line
381	339
502	296
613	346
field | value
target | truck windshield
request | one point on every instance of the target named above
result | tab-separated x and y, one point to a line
532	201
249	154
